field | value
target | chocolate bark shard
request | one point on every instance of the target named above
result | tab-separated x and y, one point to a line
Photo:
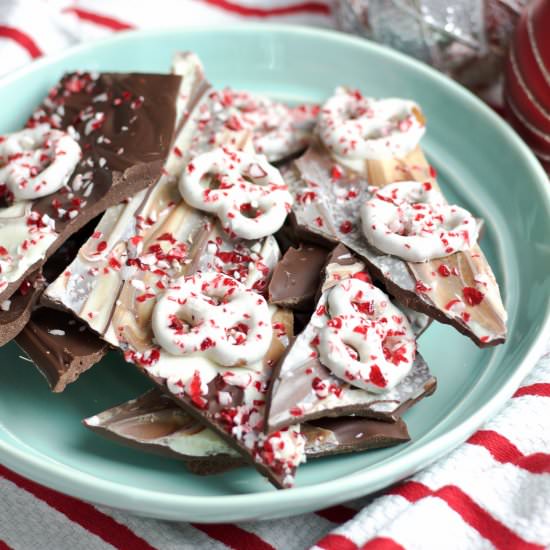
302	389
296	277
327	210
331	436
18	308
233	405
124	124
137	251
61	347
76	356
153	423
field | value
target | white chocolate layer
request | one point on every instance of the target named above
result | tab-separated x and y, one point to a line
25	238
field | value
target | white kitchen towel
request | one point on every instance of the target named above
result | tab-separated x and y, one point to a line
492	492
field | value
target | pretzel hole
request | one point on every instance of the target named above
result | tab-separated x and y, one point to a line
366	308
213	181
213	300
6	196
355	112
253	173
180	325
248	210
352	352
376	133
237	334
44	160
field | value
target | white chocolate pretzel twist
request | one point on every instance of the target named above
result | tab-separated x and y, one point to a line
36	162
412	221
247	193
367	341
354	127
215	315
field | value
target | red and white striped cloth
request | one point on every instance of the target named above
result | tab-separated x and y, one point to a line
492	492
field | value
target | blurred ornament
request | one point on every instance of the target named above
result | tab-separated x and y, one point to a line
527	80
467	39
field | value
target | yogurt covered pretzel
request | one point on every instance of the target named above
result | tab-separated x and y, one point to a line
367	341
36	162
411	220
354	127
215	315
248	194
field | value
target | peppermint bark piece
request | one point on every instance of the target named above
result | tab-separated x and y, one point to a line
115	129
459	289
153	423
140	251
303	388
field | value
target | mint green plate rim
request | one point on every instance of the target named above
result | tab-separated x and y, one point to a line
273	504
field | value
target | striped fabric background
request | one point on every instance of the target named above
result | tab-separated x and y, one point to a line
492	492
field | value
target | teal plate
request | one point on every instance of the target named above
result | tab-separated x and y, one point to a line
483	165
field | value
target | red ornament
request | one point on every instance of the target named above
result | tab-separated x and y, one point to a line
527	80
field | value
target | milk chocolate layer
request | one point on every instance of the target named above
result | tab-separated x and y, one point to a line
124	124
77	355
349	434
153	423
303	389
327	211
18	308
61	347
296	277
